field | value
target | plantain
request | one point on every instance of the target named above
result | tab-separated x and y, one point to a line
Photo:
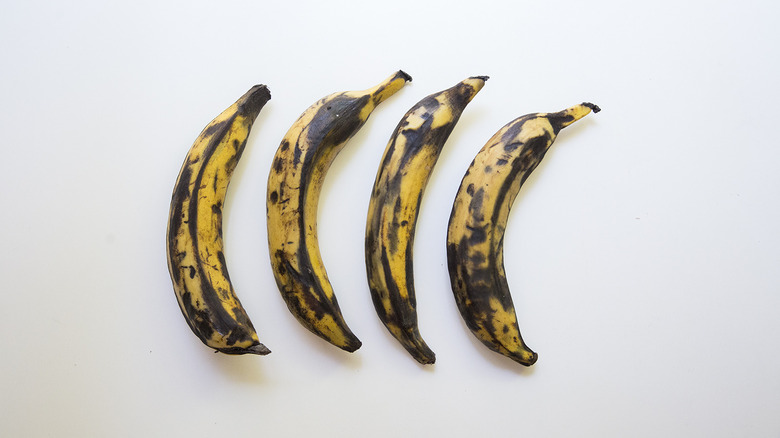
406	167
294	184
475	234
196	259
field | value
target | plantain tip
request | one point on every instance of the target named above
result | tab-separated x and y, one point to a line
259	349
254	100
405	75
524	356
484	78
416	346
424	357
595	108
351	345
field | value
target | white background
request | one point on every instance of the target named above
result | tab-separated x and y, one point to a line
642	254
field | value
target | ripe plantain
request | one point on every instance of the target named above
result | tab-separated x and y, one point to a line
294	184
475	236
406	167
196	260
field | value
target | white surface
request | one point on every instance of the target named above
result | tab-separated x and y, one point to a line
642	254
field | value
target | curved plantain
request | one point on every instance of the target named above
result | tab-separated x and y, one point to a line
294	184
409	158
196	259
475	236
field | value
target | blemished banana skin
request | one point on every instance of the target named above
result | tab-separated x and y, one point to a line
196	259
294	185
475	234
406	167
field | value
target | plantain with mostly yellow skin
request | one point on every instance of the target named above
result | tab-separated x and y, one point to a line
294	184
475	235
406	167
196	260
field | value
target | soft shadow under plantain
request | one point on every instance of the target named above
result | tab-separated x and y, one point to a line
247	369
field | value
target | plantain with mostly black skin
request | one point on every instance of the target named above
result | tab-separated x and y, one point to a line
403	174
475	235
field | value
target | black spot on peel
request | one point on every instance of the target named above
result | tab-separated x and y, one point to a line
344	119
465	285
284	146
281	268
510	147
477	258
197	319
330	127
232	162
392	232
475	205
223	266
297	155
501	162
301	291
515	126
480	287
278	165
452	264
192	272
415	137
235	336
273	197
461	94
470	189
217	128
488	169
477	235
425	136
537	147
559	121
386	165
